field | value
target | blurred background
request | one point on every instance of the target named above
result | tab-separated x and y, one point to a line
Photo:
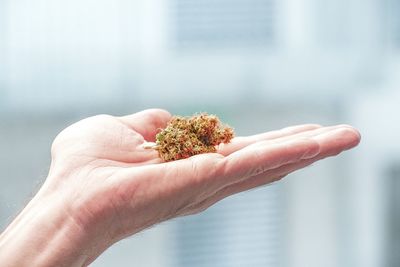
258	64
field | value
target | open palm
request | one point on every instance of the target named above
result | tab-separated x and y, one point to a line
114	187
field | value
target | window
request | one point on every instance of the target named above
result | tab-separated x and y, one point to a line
394	23
243	230
233	23
393	231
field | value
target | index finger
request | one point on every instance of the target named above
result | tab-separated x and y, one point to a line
263	156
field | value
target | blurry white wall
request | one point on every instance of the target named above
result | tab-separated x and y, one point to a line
61	53
375	200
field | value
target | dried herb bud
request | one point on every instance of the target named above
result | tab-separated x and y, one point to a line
185	137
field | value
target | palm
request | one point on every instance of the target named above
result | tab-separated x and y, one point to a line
124	179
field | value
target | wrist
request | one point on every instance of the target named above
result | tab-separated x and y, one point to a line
47	234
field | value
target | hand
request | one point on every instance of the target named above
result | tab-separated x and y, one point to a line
108	186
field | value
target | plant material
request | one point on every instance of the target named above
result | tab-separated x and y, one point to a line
185	137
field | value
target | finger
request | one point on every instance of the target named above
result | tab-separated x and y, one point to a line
331	144
200	176
300	131
263	156
207	173
240	142
286	134
148	122
197	178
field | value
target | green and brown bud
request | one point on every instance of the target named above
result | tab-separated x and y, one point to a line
188	136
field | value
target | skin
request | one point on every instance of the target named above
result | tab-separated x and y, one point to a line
104	185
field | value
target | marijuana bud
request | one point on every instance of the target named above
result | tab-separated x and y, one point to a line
185	137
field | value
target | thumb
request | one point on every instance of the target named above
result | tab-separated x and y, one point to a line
147	122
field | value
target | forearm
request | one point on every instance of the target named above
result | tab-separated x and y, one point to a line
44	235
